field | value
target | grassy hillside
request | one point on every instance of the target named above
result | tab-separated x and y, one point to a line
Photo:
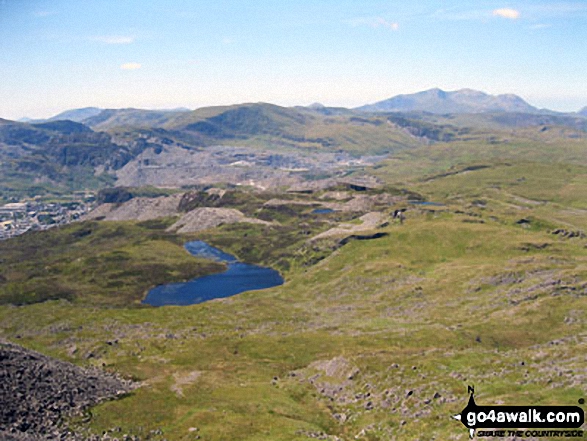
371	340
355	132
378	341
95	263
138	118
271	126
501	121
61	156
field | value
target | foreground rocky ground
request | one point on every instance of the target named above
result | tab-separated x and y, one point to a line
37	392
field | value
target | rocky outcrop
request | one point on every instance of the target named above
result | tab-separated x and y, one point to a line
363	237
369	221
204	218
337	195
357	203
140	209
569	234
38	392
280	202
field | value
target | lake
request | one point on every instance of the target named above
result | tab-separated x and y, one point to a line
322	211
239	277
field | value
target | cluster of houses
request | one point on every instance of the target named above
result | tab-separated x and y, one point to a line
17	218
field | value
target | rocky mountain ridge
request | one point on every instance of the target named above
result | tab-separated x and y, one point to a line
134	147
459	101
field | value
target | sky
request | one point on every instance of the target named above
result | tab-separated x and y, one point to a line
63	54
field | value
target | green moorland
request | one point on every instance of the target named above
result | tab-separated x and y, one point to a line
374	340
110	264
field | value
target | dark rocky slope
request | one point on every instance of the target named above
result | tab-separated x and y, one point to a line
37	393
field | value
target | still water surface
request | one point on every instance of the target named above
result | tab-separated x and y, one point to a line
239	277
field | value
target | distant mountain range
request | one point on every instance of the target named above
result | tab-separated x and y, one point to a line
435	101
88	115
90	146
460	101
77	115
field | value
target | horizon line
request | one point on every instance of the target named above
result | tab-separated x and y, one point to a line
24	118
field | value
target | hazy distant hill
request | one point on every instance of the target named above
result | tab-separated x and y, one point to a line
76	115
55	155
64	126
460	101
68	154
499	121
94	116
63	155
110	118
241	120
583	111
325	128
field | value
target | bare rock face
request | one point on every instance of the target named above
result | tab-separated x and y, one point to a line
370	221
38	392
100	212
141	209
204	218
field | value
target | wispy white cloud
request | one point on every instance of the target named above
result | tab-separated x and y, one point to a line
394	26
375	22
508	13
114	39
531	12
130	66
458	14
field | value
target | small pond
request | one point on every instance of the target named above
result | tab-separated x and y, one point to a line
238	277
322	211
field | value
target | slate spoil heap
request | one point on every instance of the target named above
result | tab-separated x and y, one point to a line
37	392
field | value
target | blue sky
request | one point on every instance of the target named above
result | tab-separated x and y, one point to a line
62	54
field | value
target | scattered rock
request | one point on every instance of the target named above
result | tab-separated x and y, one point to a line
569	234
140	209
37	392
338	367
369	221
204	218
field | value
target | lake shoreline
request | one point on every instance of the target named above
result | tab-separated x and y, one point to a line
237	278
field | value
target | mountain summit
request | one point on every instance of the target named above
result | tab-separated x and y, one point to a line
460	101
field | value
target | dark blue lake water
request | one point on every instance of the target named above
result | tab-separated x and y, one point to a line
239	277
322	211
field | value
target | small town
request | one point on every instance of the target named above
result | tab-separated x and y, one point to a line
17	218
